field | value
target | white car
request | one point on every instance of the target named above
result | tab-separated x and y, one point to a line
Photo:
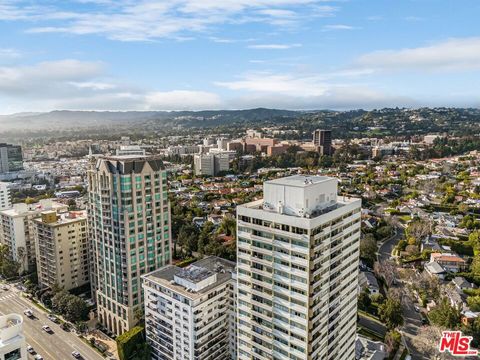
5	287
76	354
38	357
30	349
46	328
28	313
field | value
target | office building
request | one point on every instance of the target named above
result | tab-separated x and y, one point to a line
61	248
16	230
323	140
190	312
11	158
297	270
130	150
5	200
129	223
211	164
12	340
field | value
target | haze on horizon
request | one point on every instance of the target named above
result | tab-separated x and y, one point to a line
206	54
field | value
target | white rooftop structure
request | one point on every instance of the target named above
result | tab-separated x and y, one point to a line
300	195
12	341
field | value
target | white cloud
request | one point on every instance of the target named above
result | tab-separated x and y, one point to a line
457	54
182	100
144	20
338	27
273	46
8	54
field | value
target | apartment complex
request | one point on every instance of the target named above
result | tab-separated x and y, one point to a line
5	200
11	158
16	229
323	140
12	340
297	270
61	247
129	224
190	312
211	164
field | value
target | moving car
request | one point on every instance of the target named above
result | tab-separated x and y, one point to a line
30	349
47	329
76	354
38	357
28	313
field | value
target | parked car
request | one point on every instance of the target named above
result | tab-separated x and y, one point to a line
52	318
417	309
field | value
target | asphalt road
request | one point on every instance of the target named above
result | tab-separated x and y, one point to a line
56	346
412	326
385	249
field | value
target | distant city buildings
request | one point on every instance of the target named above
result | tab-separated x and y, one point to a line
130	231
11	158
211	164
323	140
133	150
297	268
190	312
16	230
5	199
12	340
61	245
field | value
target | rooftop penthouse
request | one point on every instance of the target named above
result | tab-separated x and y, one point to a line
301	196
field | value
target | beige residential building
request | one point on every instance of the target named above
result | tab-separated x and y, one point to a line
16	229
129	224
61	248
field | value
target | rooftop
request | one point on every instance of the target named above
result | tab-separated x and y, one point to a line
300	180
214	268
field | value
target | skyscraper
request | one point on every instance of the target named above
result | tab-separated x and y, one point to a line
11	158
297	270
129	221
5	199
323	140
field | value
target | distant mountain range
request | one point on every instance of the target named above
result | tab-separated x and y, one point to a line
63	119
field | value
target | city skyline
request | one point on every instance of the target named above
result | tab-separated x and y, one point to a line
189	54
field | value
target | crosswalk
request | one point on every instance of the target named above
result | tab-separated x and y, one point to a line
7	296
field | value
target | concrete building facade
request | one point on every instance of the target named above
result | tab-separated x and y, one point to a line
12	340
129	224
5	199
190	312
61	247
16	229
297	271
323	140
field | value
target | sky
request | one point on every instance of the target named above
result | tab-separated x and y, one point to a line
237	54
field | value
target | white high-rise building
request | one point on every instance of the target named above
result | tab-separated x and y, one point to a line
190	312
297	270
12	340
5	200
211	164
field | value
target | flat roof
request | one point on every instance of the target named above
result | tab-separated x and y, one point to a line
300	180
212	264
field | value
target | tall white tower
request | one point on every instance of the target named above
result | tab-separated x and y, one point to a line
297	271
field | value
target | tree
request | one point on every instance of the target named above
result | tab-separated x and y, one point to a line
474	303
70	306
391	313
228	226
426	342
445	315
392	341
364	300
9	268
22	255
131	345
368	249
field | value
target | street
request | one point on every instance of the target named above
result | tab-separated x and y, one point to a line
56	346
411	327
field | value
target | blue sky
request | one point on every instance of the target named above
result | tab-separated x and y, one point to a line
230	54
